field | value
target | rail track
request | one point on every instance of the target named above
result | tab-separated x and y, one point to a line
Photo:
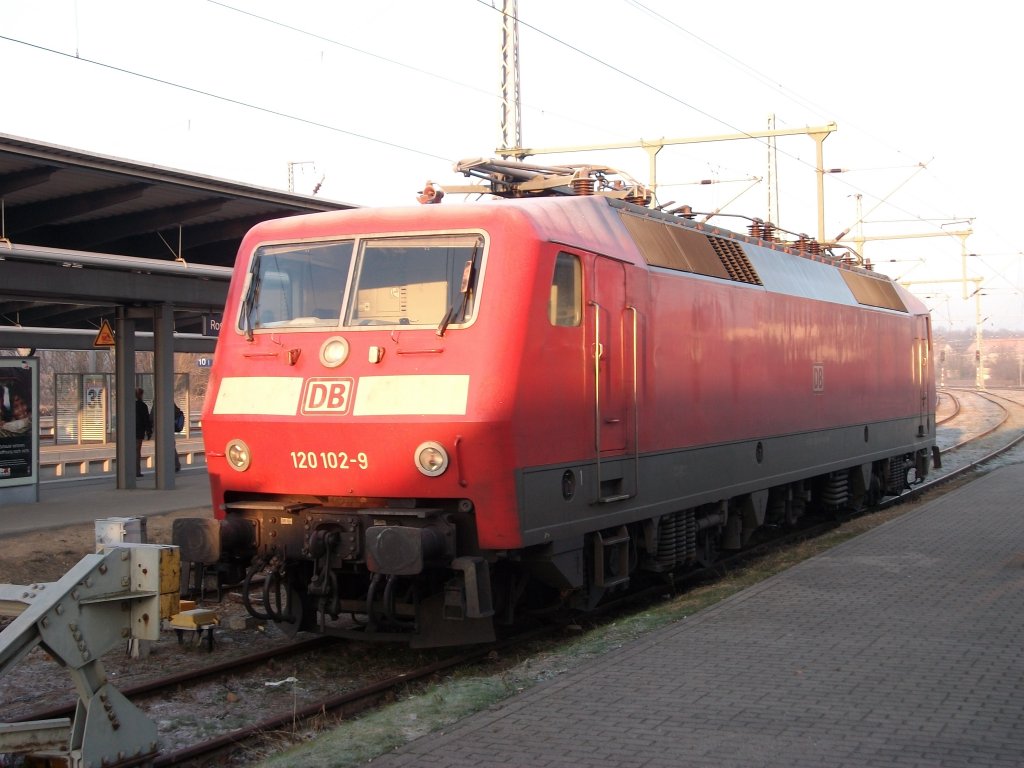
946	394
990	426
162	684
980	427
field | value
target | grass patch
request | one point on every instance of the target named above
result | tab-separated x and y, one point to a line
360	740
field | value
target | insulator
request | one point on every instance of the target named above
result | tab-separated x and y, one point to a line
431	194
805	244
583	186
755	228
768	232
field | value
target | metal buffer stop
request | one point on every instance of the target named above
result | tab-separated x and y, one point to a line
118	594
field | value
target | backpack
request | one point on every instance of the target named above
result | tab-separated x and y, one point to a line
179	419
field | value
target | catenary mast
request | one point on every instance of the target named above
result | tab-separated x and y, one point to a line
511	119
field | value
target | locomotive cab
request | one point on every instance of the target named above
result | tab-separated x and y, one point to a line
341	436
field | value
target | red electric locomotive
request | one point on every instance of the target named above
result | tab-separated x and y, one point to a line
423	420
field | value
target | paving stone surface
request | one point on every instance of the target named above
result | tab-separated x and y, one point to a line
902	648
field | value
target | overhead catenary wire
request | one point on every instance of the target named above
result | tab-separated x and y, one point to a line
753	72
637	79
228	99
646	84
760	76
395	62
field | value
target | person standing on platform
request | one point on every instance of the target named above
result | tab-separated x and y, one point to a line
177	410
143	428
179	425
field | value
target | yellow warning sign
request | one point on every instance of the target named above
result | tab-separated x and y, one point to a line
105	338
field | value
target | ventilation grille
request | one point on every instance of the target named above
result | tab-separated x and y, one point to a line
735	260
668	245
873	292
674	247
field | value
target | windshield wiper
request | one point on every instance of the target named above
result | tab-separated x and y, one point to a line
248	303
467	281
443	325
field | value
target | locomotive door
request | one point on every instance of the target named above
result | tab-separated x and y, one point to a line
924	345
611	357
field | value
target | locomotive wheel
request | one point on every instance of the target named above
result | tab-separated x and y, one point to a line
876	491
509	587
707	547
299	610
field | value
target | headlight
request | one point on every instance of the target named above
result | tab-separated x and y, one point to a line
431	459
334	352
238	455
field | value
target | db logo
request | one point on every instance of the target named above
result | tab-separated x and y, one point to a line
326	396
818	377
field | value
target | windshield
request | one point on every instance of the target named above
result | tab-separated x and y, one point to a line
415	281
428	280
297	285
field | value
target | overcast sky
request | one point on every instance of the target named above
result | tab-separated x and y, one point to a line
371	99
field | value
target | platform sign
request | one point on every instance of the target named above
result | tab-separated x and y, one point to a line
93	427
19	413
105	337
211	324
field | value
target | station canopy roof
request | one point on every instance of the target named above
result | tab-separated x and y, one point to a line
81	234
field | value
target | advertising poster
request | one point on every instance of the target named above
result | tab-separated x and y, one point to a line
19	437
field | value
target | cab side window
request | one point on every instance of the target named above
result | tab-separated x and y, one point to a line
564	303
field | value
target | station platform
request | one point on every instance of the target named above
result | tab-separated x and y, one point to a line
901	648
68	502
